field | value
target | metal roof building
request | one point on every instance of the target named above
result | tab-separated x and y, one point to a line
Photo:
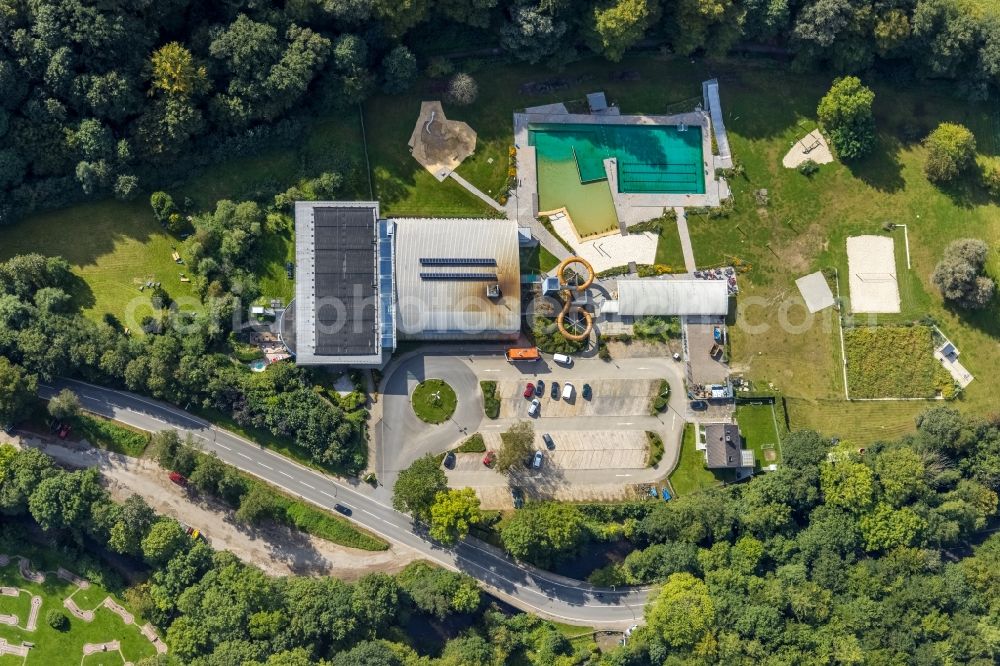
343	308
637	298
457	279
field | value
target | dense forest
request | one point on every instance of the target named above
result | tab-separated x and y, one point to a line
118	96
214	609
880	556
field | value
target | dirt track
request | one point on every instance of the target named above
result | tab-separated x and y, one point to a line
277	550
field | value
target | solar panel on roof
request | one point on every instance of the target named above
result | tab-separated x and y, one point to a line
457	261
457	277
346	321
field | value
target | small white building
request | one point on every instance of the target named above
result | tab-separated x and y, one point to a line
684	297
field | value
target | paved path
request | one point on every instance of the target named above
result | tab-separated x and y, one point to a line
682	231
476	191
522	585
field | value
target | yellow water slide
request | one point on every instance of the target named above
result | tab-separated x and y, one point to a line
568	297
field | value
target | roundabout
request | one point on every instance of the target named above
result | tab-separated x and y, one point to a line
434	401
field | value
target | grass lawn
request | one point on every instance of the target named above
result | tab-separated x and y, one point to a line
804	228
112	246
65	647
434	401
668	248
474	444
893	362
537	260
111	435
691	475
277	247
859	422
757	425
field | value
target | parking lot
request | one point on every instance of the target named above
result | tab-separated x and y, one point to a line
611	397
611	449
704	368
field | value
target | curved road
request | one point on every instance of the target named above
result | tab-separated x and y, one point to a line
522	585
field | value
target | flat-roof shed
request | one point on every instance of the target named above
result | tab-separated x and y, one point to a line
638	298
457	279
597	102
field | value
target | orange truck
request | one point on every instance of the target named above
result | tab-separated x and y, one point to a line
517	354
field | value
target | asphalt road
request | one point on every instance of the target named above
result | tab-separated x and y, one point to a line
523	586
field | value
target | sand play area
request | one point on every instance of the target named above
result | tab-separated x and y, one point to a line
810	147
871	261
440	144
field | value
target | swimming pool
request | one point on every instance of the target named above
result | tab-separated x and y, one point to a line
651	159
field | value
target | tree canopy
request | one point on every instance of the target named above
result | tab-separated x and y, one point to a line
845	112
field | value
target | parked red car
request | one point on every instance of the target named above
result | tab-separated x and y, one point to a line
529	390
178	478
489	458
64	432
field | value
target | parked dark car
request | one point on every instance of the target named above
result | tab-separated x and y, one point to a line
554	393
449	460
549	444
699	405
587	392
8	428
540	388
289	269
340	508
517	495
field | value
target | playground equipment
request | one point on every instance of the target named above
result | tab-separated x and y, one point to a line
565	288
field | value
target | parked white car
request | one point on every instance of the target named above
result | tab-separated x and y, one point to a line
563	359
536	462
533	408
567	391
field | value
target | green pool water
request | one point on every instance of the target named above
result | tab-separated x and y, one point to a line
651	160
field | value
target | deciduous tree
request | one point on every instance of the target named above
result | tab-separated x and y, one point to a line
17	392
951	149
682	613
543	532
418	485
516	445
453	513
64	405
845	113
960	274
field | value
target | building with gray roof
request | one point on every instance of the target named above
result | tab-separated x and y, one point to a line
457	279
672	296
724	447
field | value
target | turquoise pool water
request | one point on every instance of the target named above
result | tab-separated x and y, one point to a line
651	160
